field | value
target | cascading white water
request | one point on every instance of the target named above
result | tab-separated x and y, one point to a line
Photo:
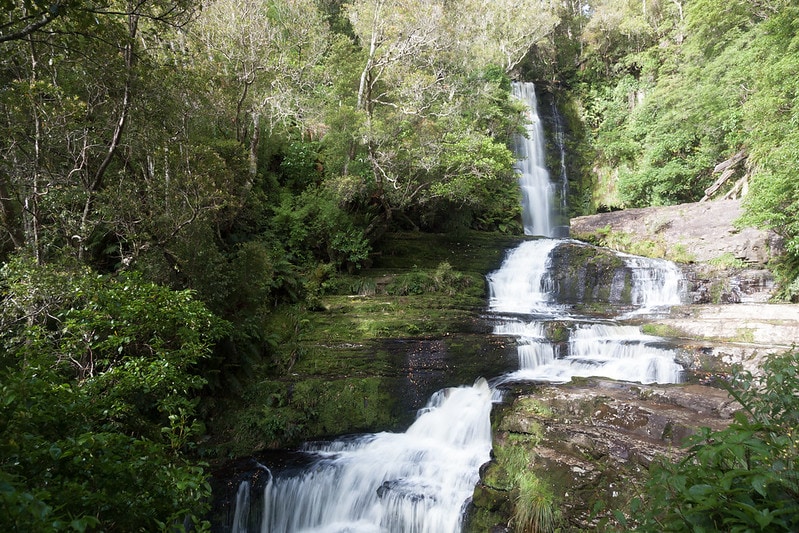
534	180
605	350
417	481
523	286
657	283
561	144
621	352
242	510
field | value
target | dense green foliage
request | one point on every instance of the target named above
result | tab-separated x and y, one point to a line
668	91
173	175
742	478
98	402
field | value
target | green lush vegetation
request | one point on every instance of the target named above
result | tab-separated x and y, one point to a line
667	97
743	478
511	490
192	192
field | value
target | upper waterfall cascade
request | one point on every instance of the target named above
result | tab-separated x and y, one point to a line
543	198
523	286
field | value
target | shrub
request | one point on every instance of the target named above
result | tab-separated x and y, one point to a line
742	478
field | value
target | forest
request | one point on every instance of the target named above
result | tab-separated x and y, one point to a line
172	172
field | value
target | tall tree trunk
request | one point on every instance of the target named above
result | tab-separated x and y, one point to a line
10	217
32	200
97	181
255	141
365	85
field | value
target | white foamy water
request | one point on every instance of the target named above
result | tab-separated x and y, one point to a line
417	481
522	284
657	283
534	181
593	350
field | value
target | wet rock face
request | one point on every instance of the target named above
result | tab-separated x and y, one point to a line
712	285
592	440
583	274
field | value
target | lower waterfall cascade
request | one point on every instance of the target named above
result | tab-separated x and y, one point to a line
416	481
420	481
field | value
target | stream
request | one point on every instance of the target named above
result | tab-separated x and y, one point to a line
421	480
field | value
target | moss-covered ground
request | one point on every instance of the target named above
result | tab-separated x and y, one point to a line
371	348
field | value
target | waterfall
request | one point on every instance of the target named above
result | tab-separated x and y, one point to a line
657	283
523	287
417	481
563	178
536	187
242	511
523	284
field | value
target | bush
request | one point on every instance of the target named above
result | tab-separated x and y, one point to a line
97	404
313	227
742	478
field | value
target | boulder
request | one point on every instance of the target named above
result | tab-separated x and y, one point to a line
706	230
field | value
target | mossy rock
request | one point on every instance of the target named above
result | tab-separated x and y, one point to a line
586	274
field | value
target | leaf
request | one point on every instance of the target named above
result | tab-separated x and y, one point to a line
700	491
759	483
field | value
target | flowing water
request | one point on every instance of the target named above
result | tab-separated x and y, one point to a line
419	481
536	186
522	295
416	482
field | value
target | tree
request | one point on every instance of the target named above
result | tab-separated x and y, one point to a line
271	54
21	19
422	63
67	110
501	33
98	401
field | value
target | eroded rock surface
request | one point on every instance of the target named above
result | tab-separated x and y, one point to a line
714	338
706	230
592	440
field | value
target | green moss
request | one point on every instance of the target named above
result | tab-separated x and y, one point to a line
585	273
322	371
744	335
530	406
661	330
534	510
533	506
680	254
285	413
727	261
717	288
632	244
557	331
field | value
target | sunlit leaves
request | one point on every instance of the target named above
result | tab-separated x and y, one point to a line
263	57
500	32
745	477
